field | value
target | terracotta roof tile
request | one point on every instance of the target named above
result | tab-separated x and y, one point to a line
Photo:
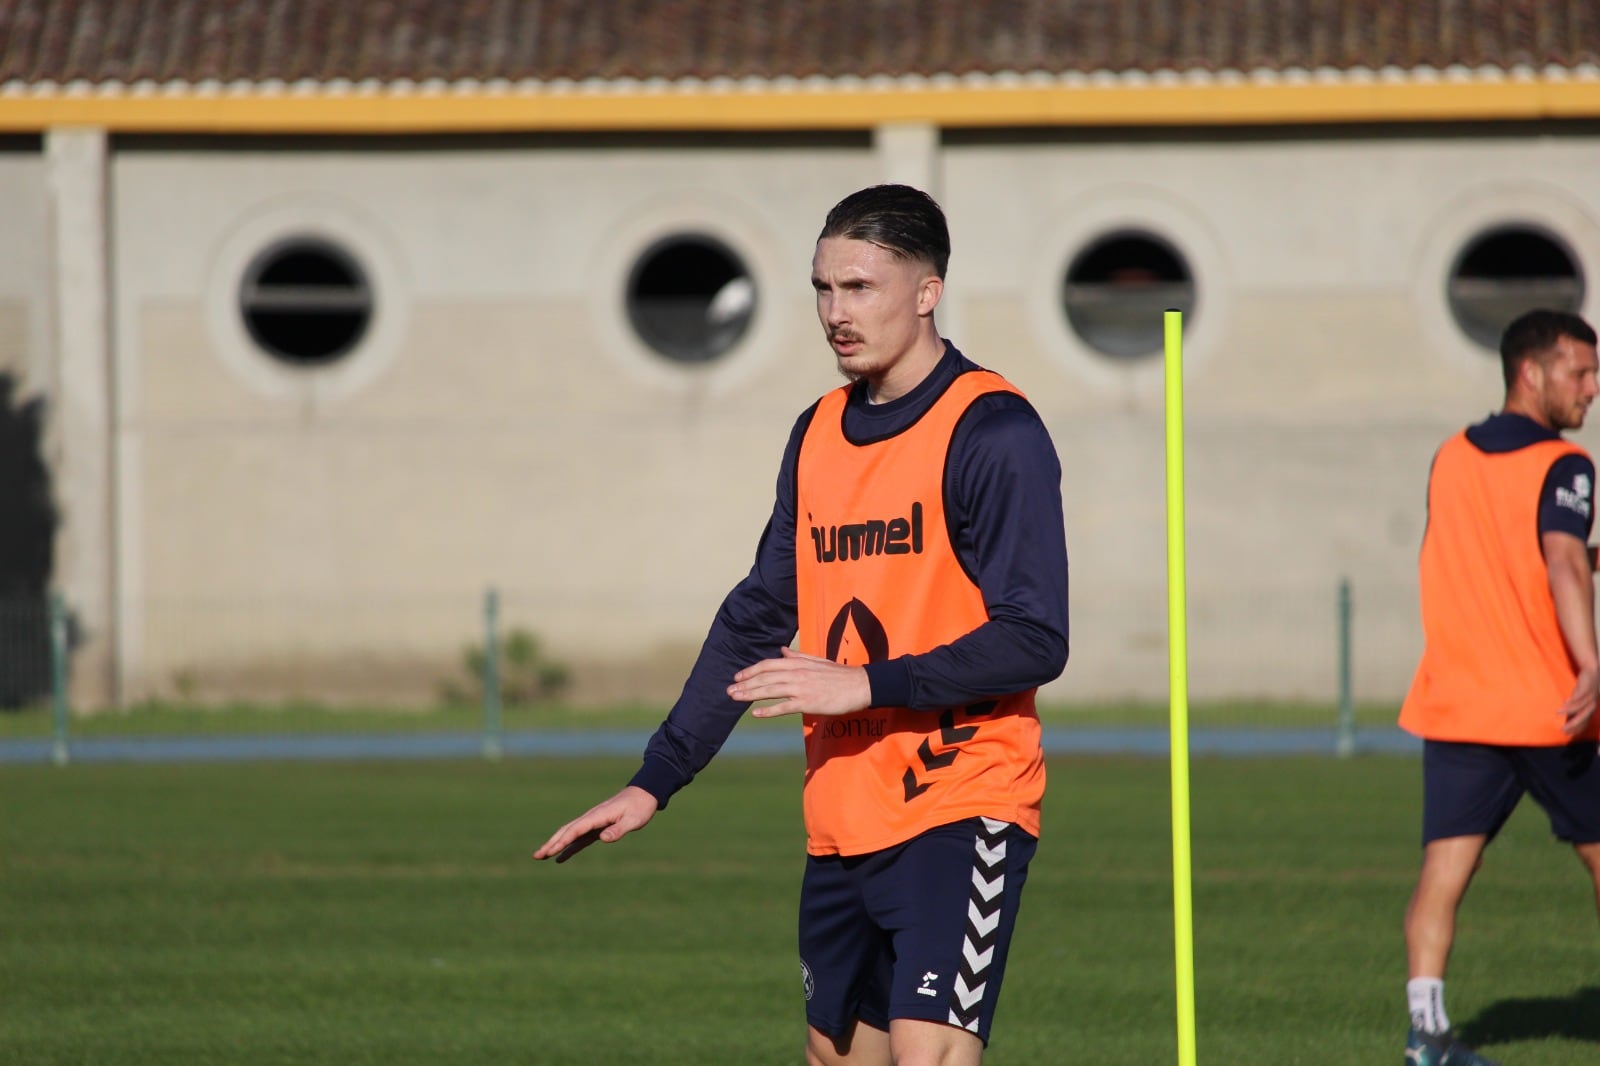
321	40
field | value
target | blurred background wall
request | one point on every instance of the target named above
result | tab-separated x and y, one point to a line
322	349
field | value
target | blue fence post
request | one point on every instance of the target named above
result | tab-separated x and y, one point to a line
492	743
59	752
1345	746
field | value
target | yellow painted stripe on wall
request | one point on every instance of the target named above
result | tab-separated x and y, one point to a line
478	110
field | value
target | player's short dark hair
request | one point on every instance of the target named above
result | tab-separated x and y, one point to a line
1535	334
906	222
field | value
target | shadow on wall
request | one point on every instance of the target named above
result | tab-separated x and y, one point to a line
27	535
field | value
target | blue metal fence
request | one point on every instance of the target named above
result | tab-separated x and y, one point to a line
37	642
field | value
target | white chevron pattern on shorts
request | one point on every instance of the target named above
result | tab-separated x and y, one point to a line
990	856
978	960
979	924
983	923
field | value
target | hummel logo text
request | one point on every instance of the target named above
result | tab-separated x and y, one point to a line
878	536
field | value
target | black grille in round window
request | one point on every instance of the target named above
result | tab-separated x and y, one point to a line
306	301
1505	271
690	298
1117	288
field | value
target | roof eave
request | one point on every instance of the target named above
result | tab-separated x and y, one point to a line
1291	97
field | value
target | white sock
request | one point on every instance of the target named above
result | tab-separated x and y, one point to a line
1426	997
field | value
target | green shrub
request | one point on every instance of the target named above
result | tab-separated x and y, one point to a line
526	674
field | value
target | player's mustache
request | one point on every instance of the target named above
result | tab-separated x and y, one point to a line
844	335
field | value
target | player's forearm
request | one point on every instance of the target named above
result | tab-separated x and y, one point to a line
751	625
1572	589
996	659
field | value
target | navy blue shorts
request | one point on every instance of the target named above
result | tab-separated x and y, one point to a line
919	930
1471	789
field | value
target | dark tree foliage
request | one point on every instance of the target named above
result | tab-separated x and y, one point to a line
27	536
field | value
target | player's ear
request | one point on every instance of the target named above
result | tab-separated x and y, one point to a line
1530	375
928	295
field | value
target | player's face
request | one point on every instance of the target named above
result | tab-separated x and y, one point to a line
871	304
1567	383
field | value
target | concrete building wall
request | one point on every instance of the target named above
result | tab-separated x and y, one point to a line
24	269
1323	367
502	425
330	530
30	493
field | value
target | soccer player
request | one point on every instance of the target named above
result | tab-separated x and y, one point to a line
916	549
1504	697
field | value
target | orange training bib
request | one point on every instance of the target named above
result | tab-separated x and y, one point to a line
1494	666
878	578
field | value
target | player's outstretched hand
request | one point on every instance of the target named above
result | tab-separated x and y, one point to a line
630	809
802	684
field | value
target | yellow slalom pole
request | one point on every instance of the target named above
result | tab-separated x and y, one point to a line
1178	682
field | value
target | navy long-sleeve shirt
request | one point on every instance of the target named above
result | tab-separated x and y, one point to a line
1566	497
1003	505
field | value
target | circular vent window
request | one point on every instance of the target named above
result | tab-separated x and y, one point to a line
1505	271
306	301
1117	289
690	298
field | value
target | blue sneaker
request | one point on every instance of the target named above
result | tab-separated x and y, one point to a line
1441	1049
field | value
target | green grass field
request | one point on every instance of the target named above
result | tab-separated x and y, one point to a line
389	913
